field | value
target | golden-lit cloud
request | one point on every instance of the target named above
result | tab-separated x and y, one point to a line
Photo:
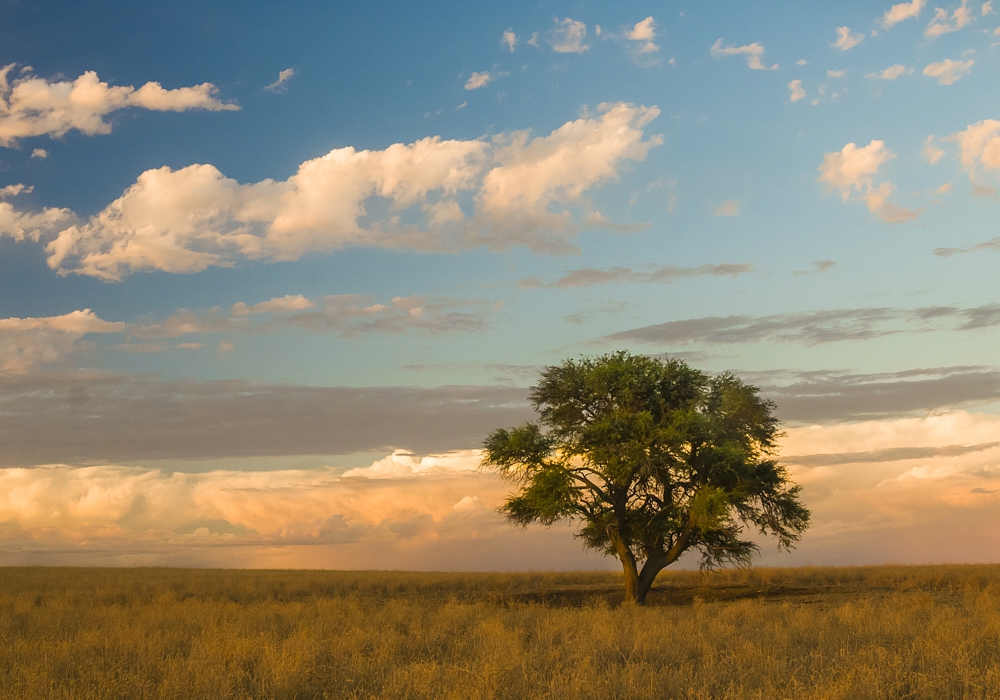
34	106
501	192
754	53
851	171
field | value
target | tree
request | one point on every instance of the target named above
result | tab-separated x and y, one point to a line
653	458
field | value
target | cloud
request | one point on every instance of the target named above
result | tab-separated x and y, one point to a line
987	8
939	25
509	39
14	190
28	342
402	464
902	11
836	73
87	417
568	36
39	153
281	84
991	244
520	190
754	52
931	152
32	106
588	277
643	33
845	40
948	70
728	208
533	40
797	91
852	169
890	73
347	314
979	149
818	266
20	225
478	80
813	327
827	396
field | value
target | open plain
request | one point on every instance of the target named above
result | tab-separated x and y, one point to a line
853	633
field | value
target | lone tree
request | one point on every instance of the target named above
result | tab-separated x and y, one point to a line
654	458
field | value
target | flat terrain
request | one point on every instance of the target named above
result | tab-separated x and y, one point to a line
851	633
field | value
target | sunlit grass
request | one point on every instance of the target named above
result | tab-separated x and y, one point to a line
879	632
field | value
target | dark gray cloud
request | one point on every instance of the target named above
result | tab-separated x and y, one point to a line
589	276
992	244
893	454
819	397
78	418
812	327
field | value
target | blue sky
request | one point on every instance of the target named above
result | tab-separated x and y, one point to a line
384	219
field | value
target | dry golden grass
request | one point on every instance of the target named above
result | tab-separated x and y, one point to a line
879	632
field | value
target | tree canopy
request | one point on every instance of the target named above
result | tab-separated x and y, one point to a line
654	458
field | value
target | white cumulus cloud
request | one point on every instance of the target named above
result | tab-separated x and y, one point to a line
852	170
890	73
568	36
979	149
754	52
26	342
510	40
500	192
33	106
960	17
644	32
948	70
846	40
902	11
798	92
281	84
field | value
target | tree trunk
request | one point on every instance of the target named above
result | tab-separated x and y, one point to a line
649	571
629	567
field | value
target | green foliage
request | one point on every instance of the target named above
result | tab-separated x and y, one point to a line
654	458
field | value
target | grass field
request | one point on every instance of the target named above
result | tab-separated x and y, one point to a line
852	633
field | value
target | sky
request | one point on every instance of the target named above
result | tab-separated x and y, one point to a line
270	273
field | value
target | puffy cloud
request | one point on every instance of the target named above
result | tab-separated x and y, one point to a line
987	8
979	148
644	32
27	342
568	36
852	169
728	208
20	225
846	40
948	70
588	277
902	11
14	190
797	90
754	52
281	84
39	153
890	73
32	106
286	303
521	190
836	73
478	80
510	40
940	25
404	464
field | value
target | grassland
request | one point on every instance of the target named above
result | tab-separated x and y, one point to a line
881	632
